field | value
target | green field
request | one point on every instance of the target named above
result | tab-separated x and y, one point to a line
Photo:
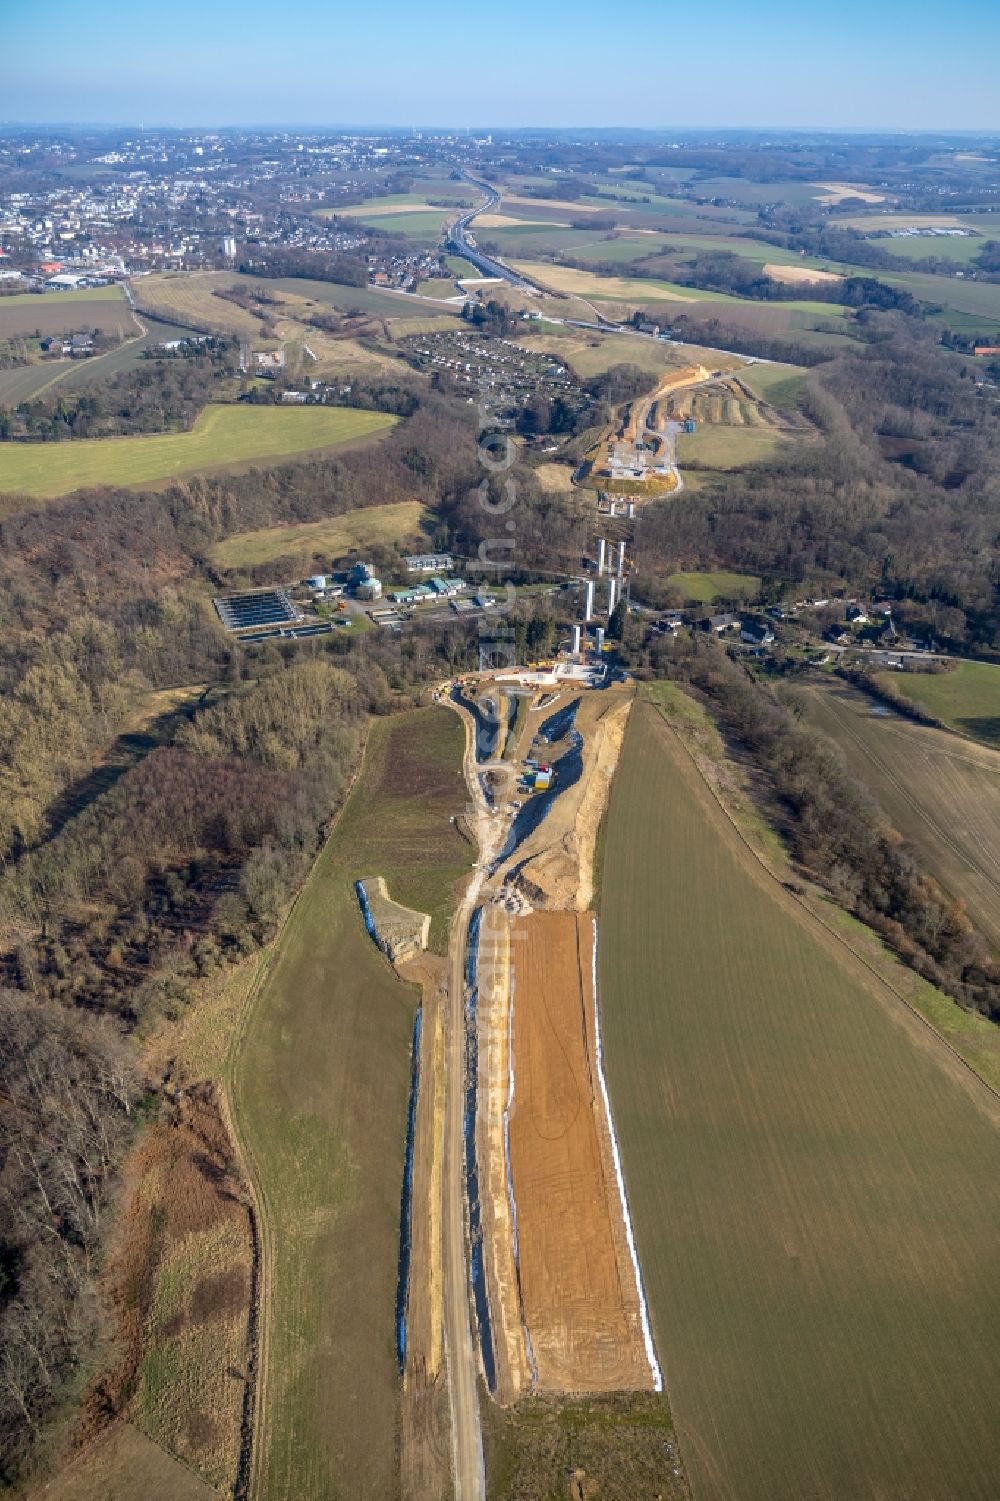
781	385
400	213
975	300
330	537
967	699
438	286
706	588
816	325
960	248
812	1175
319	1087
424	227
744	190
720	447
461	268
55	299
942	794
222	436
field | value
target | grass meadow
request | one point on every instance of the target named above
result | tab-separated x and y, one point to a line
221	437
319	1084
723	447
811	1174
967	699
781	385
327	538
706	588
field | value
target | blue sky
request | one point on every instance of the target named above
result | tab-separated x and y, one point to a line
903	64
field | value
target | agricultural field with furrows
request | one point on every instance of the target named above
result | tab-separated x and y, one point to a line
103	308
389	203
941	793
617	288
189	298
523	239
592	354
346	299
393	524
967	699
813	322
319	1087
222	437
812	1175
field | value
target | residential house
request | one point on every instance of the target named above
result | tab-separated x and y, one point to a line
756	632
718	625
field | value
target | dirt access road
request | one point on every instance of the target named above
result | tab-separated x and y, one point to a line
468	1466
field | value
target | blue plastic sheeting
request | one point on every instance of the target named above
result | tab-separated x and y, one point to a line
406	1204
366	911
479	1293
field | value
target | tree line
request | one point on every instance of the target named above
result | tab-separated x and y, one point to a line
159	395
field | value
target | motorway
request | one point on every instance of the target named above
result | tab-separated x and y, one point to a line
457	241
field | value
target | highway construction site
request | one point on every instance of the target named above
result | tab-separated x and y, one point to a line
518	1269
556	1289
637	455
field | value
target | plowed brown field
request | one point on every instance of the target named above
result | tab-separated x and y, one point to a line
578	1291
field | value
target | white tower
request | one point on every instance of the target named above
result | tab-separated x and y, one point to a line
621	560
576	641
588	601
612	594
601	549
600	637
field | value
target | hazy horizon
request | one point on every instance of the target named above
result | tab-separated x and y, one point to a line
892	68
